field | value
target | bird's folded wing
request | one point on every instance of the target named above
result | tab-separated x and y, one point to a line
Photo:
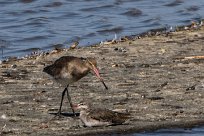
109	116
102	114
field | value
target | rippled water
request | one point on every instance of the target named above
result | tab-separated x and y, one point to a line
31	25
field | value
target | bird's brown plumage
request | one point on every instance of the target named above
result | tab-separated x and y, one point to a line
108	116
100	116
69	69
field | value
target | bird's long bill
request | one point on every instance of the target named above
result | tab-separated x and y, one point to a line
98	75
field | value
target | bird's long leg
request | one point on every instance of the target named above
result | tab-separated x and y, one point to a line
62	98
70	101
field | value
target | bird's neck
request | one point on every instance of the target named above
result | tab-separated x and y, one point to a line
84	112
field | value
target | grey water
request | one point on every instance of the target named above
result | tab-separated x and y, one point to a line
197	131
36	25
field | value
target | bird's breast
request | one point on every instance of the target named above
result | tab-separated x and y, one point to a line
90	122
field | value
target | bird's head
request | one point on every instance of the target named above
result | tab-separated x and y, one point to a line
80	106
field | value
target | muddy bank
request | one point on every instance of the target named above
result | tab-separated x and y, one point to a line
148	77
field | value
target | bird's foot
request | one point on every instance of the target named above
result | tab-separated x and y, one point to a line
74	114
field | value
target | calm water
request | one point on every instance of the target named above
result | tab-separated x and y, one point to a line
199	131
31	25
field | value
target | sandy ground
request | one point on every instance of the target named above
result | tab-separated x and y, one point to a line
148	77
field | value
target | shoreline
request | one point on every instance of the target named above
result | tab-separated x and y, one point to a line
151	77
152	32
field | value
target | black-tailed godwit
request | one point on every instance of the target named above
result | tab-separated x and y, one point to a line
69	69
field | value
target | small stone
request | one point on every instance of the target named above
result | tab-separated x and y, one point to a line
43	126
14	66
115	65
116	49
49	99
4	116
43	106
143	96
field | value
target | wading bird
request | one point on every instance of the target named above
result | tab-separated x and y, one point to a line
93	117
69	69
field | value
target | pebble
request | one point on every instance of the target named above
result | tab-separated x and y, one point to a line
4	116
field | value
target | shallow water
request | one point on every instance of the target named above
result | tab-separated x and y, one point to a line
32	25
199	131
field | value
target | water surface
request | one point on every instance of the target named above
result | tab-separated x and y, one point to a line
32	25
199	131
